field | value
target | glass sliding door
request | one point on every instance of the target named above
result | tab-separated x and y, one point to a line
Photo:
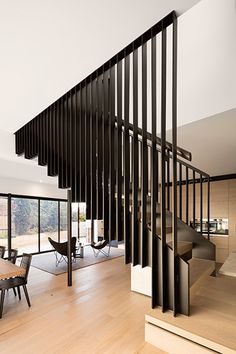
33	220
3	221
48	223
24	224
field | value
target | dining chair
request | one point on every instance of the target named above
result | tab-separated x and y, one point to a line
2	251
13	255
12	258
17	282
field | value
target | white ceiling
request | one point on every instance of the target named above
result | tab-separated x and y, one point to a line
49	46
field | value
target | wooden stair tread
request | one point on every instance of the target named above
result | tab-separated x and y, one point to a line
168	230
182	246
200	268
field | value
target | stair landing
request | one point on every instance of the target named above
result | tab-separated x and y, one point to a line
211	324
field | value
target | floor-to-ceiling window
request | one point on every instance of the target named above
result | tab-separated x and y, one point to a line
3	221
48	223
31	221
24	224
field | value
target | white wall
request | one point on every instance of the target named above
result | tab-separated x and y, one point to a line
18	186
206	82
206	60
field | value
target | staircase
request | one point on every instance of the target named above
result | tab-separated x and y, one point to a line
196	259
96	139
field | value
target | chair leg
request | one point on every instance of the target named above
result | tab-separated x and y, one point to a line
26	295
14	291
2	302
19	294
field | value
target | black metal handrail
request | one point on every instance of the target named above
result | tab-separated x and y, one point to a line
180	151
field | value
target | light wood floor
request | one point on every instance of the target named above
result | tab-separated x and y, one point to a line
98	315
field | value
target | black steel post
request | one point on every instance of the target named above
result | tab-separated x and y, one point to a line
9	224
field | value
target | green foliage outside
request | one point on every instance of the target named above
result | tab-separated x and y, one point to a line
48	216
25	216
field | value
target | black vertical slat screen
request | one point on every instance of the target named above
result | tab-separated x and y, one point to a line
135	167
69	139
91	139
194	197
180	191
64	118
60	144
163	172
99	128
72	145
208	207
144	173
82	143
112	213
119	228
175	261
126	161
93	148
105	157
187	197
87	150
53	148
201	203
168	182
50	142
77	143
154	176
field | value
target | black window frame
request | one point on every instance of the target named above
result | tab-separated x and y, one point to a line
9	197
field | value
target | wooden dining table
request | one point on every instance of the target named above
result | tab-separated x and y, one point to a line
10	270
